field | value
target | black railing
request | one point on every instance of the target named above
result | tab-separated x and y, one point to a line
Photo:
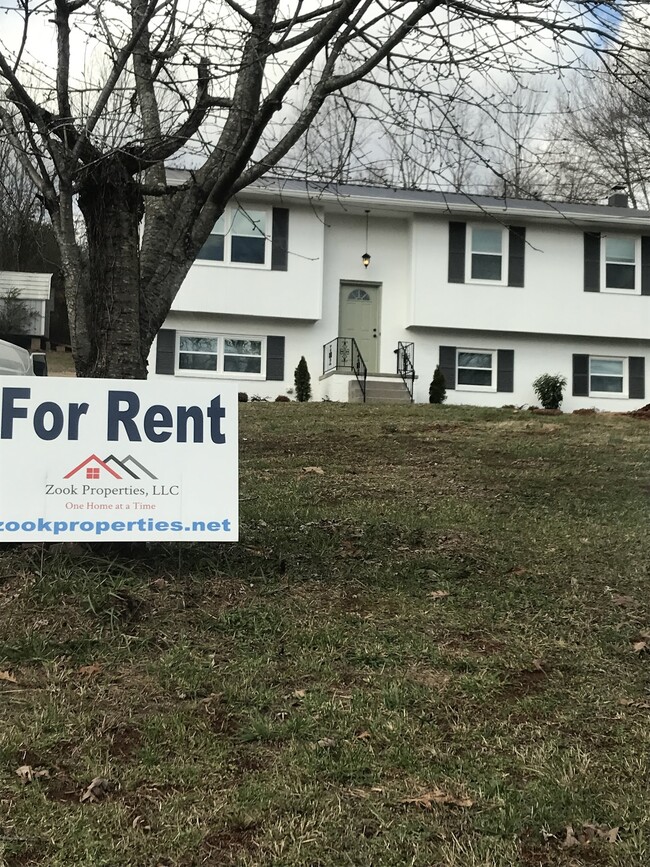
405	366
342	355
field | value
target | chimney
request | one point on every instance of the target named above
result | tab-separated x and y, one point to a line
617	199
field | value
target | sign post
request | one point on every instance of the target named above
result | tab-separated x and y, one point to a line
118	460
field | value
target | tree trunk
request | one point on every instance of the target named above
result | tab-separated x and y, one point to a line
110	311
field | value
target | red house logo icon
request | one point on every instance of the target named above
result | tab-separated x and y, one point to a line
93	466
128	467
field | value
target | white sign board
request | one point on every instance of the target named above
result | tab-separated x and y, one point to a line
116	460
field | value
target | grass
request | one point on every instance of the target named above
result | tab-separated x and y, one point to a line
284	700
60	363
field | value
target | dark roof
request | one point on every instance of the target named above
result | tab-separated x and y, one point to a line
356	197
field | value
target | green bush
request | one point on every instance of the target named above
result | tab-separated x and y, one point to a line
437	389
302	380
549	389
16	316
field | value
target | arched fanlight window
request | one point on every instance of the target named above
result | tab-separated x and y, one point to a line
358	295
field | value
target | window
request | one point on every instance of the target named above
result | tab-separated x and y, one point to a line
242	356
606	376
248	241
474	368
198	353
240	235
221	355
92	472
621	257
617	263
358	294
213	249
487	253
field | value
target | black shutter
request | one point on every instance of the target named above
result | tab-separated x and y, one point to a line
592	261
516	251
166	351
645	265
505	370
448	365
275	358
280	239
457	233
581	375
637	377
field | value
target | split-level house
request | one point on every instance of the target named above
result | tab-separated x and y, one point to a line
366	281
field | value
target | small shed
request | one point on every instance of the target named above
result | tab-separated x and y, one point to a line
35	290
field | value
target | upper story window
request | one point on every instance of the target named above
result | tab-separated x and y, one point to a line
240	236
486	251
617	263
248	237
621	259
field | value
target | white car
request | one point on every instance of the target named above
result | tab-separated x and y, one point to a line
15	361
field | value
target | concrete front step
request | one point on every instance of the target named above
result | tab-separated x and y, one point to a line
378	391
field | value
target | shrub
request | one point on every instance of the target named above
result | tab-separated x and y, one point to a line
302	380
242	397
282	398
437	389
16	316
549	389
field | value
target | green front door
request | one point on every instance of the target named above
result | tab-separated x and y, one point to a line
359	318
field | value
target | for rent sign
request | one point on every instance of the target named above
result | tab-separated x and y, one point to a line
117	460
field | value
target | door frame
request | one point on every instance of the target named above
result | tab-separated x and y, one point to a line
362	284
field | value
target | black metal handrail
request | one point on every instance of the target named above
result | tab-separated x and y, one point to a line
342	355
405	365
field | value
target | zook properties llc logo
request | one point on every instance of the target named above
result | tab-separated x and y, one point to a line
111	476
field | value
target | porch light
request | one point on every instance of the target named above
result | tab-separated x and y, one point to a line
365	259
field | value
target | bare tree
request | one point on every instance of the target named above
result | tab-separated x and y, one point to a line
605	135
515	149
213	84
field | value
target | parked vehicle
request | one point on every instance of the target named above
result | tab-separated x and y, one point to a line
15	361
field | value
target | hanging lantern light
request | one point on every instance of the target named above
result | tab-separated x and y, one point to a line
365	259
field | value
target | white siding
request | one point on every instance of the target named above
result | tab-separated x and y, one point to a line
552	301
256	291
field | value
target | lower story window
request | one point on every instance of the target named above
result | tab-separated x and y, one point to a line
221	355
242	356
475	368
198	353
606	375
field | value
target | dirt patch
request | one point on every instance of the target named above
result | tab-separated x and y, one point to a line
642	413
225	847
434	680
222	723
31	856
125	741
31	758
537	853
62	789
523	683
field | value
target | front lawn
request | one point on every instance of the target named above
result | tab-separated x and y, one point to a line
429	648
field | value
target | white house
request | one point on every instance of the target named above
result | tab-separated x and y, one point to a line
495	291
